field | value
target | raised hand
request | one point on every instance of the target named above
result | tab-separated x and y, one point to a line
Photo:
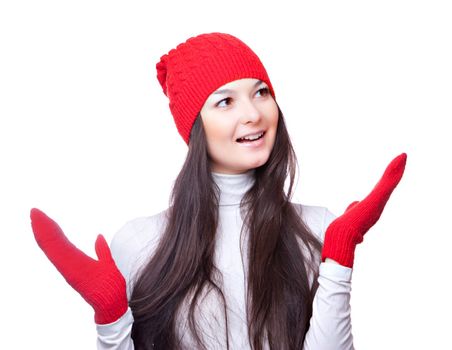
99	282
348	230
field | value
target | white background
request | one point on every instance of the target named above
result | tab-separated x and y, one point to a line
86	135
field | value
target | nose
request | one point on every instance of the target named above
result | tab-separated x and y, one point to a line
249	112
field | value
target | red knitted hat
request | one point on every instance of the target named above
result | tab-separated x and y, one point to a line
193	70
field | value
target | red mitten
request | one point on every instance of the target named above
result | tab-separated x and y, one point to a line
346	231
99	282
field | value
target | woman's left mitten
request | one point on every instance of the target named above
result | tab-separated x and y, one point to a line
346	231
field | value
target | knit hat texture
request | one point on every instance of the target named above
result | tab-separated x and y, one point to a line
194	69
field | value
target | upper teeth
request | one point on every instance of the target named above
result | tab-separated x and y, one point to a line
253	137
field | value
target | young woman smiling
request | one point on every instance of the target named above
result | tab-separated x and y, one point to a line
232	263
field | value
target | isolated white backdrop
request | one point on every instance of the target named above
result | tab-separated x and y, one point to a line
86	135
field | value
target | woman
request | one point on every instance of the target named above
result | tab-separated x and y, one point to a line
232	263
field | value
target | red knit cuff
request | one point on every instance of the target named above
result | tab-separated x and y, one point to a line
340	245
110	301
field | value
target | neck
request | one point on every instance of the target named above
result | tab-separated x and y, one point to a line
233	186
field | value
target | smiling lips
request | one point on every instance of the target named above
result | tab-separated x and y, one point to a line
251	138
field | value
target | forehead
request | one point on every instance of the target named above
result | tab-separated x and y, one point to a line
237	85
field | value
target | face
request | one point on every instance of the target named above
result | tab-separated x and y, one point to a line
240	120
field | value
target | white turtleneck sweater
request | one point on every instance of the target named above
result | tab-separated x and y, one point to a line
330	325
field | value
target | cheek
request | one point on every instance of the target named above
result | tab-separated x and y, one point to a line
273	123
273	114
218	131
275	119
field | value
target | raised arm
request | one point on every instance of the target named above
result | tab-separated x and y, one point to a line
99	282
330	325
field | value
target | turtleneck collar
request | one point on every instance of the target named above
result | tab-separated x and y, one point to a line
233	186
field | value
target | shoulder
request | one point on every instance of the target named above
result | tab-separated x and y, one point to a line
141	230
136	241
317	218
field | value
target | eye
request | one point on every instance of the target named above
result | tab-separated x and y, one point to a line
264	91
226	100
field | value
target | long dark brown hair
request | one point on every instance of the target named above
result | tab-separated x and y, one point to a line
281	274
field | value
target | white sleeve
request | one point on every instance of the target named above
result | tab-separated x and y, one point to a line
330	324
116	335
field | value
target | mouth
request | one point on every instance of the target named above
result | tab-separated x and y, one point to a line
251	138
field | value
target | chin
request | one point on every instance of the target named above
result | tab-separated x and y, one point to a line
257	164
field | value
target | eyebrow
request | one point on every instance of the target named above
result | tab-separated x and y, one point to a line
223	91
